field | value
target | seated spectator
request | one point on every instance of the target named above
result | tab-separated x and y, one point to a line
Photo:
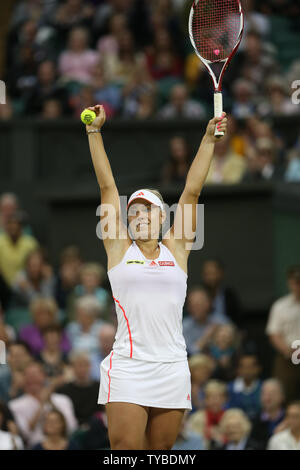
206	422
84	332
8	440
262	164
223	349
15	246
82	391
55	432
52	109
162	58
30	409
78	61
202	320
53	359
12	374
106	340
9	206
244	392
201	367
292	172
225	299
283	329
176	168
44	312
108	44
35	280
7	332
47	88
73	13
67	277
289	439
235	427
92	276
187	439
106	93
278	102
227	167
272	412
243	99
181	106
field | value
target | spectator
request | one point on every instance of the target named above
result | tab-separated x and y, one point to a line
178	164
106	340
139	94
73	13
225	299
181	106
12	374
92	276
44	312
206	422
289	439
223	348
84	332
292	173
47	88
35	281
55	432
227	167
14	248
263	165
31	408
201	321
162	60
186	439
9	206
283	329
54	361
52	109
8	440
272	412
78	61
278	102
243	99
236	428
244	391
201	367
67	277
82	391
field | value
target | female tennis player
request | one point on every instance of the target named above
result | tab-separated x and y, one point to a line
145	380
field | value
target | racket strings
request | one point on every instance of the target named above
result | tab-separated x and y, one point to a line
216	28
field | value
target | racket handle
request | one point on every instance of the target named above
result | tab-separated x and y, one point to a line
218	98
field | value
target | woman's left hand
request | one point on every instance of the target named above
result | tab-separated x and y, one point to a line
221	124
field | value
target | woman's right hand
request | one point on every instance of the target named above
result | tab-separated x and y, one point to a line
100	117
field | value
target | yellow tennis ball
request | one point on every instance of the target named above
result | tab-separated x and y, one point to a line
88	116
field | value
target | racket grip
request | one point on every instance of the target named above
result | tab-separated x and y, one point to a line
218	98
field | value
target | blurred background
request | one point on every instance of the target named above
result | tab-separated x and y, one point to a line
242	313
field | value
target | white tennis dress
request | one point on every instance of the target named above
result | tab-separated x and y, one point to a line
148	364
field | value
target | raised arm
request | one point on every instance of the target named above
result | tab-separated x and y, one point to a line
185	220
108	188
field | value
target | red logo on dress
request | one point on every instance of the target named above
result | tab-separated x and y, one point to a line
153	263
166	263
188	397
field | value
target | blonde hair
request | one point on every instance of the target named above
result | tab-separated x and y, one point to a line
236	413
201	360
46	303
213	386
93	268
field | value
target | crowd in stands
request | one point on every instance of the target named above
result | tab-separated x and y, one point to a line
58	323
135	58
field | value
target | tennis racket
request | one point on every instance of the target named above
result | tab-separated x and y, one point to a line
216	29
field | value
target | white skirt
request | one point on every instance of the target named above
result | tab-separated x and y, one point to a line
153	384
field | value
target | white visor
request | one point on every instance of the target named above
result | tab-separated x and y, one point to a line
147	196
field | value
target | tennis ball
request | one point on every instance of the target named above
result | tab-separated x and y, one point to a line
88	116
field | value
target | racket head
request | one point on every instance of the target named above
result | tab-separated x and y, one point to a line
216	29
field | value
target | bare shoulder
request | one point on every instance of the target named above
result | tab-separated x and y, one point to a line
177	251
116	251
